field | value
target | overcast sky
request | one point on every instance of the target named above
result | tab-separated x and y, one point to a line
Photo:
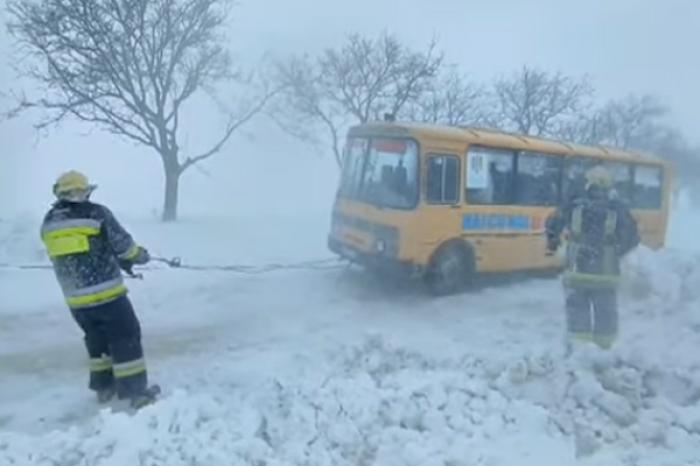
641	46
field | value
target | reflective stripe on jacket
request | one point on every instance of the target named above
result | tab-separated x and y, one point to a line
85	243
601	232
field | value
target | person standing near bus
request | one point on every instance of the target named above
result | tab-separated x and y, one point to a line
601	230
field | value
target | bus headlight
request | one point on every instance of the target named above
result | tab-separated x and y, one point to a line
386	242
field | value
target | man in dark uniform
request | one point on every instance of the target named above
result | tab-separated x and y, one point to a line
601	230
88	247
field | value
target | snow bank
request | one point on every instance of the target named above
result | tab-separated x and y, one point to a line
667	276
388	406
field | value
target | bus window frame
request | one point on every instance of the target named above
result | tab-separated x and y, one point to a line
561	162
431	155
632	167
566	193
465	188
370	137
566	161
513	189
662	186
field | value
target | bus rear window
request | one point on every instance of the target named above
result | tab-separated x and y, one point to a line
647	187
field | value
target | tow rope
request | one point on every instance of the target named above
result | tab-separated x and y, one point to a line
177	263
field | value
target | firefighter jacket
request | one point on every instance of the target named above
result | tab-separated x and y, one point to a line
87	247
600	232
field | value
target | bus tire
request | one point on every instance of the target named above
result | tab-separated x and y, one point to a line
450	268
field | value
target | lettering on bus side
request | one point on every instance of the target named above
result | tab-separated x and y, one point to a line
486	222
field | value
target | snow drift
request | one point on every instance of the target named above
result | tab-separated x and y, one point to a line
392	406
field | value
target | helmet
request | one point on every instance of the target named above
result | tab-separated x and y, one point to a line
73	186
599	176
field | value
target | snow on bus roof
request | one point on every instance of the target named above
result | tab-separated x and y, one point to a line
497	137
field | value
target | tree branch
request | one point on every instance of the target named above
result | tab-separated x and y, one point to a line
358	81
231	128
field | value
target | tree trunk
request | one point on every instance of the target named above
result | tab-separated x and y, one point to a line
172	184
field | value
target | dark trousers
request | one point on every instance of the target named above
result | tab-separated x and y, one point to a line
113	342
591	315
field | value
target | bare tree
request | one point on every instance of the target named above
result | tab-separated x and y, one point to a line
128	66
589	127
539	103
306	106
453	100
638	122
358	82
633	121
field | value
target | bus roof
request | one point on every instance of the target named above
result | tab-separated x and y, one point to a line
497	138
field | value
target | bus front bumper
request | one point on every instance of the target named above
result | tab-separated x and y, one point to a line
376	261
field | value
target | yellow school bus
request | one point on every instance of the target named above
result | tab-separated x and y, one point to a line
448	202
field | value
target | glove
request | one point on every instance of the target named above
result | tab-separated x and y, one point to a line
553	243
127	266
143	257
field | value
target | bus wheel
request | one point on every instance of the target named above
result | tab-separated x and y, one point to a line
450	269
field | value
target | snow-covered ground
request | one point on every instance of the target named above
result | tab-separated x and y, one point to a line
329	367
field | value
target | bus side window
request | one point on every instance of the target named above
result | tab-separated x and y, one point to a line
443	179
575	177
622	179
490	176
647	187
537	181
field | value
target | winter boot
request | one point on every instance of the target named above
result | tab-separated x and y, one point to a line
106	394
146	398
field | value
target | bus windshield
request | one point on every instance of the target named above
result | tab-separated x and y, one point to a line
381	171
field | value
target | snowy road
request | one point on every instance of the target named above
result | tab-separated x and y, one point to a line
324	367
